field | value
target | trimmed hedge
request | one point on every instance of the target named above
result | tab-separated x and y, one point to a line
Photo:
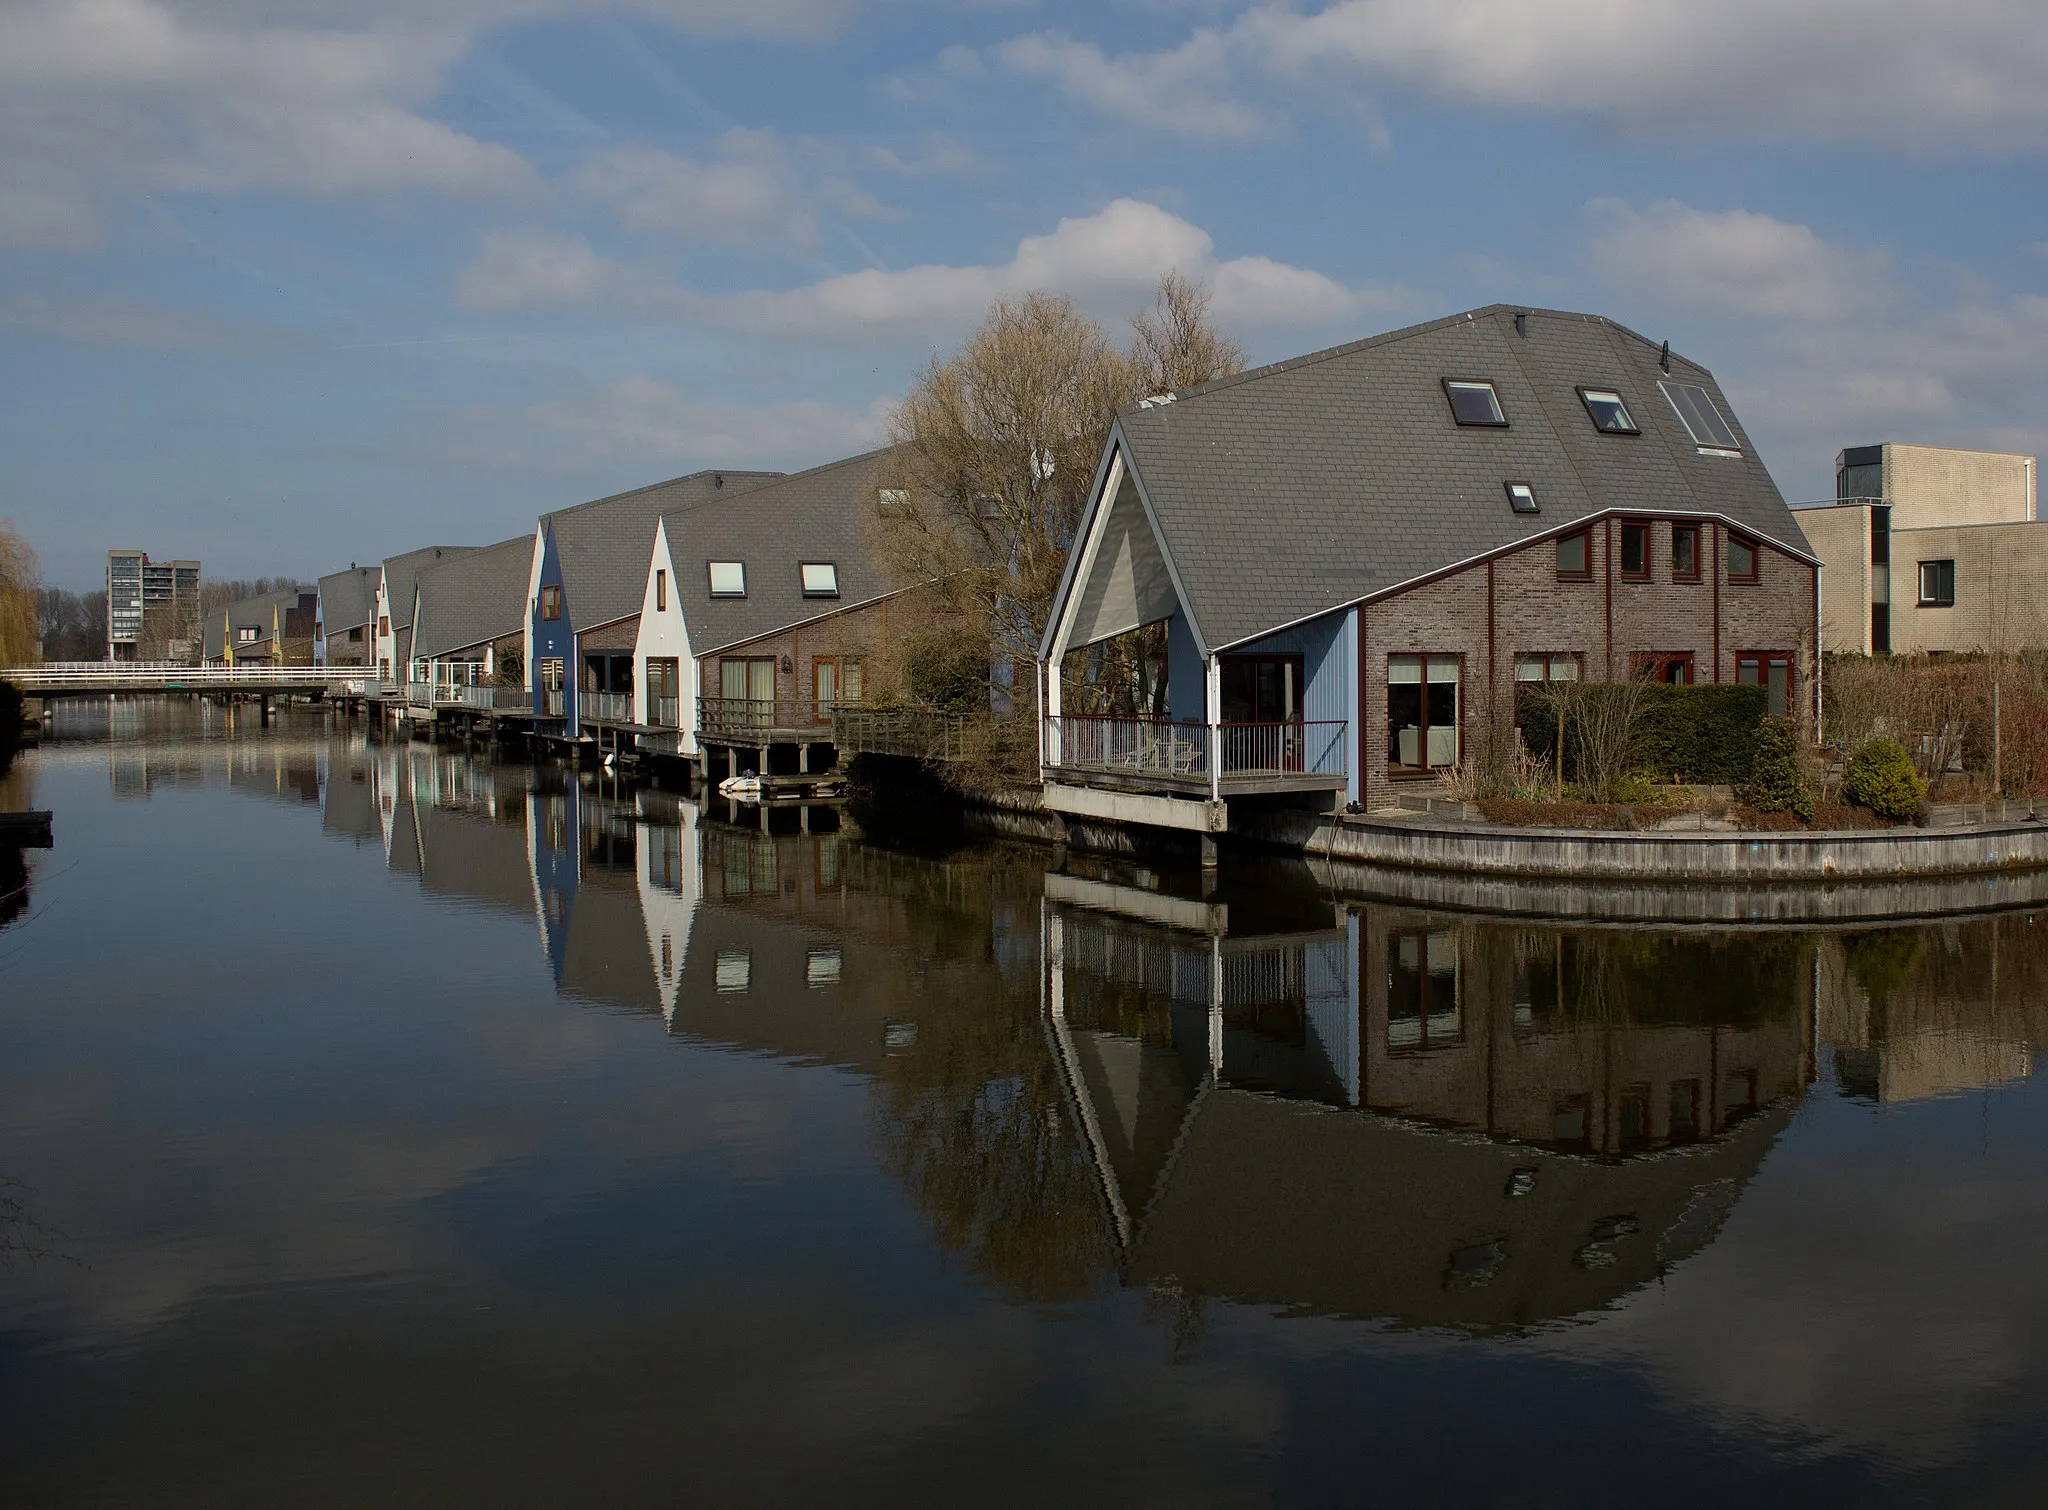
1704	734
1776	783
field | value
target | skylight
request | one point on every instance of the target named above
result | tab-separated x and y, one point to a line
1609	413
1474	403
728	579
821	579
1695	406
1522	498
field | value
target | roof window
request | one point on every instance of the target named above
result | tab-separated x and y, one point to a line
892	503
1703	422
728	579
1610	414
1474	403
821	579
1522	498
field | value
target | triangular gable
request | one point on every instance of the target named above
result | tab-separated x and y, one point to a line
1126	582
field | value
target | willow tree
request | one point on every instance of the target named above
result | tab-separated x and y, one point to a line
20	611
996	452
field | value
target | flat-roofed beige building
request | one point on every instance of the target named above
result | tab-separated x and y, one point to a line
1929	548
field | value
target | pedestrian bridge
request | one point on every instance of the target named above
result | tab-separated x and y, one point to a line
99	678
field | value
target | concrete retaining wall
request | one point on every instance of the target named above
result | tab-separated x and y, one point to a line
1525	853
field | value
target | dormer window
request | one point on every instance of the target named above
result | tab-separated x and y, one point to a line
1610	414
1522	498
1474	403
728	579
245	634
820	579
1702	420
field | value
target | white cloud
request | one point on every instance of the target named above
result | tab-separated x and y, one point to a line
1735	260
102	97
1187	90
644	418
1108	261
754	192
517	270
113	320
1896	71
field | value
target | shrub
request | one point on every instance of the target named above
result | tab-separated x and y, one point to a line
1777	780
1701	733
1880	776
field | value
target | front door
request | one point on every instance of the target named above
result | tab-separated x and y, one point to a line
1261	711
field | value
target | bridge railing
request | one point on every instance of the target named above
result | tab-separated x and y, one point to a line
172	676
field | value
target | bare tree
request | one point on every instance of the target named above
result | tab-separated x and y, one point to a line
997	447
20	606
1175	346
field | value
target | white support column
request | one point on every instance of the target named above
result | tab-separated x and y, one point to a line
1214	699
1215	1007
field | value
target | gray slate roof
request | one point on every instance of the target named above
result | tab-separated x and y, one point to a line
266	611
1311	484
348	599
819	515
603	545
472	598
402	572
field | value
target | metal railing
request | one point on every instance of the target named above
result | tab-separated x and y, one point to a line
668	713
419	694
605	707
912	732
174	676
745	717
554	702
1163	749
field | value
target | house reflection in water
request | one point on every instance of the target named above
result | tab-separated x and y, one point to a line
1429	1120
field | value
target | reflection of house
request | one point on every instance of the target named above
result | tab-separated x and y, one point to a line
1549	1152
1929	548
1336	570
1917	1012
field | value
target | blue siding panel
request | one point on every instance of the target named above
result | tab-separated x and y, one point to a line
553	639
1328	648
1187	687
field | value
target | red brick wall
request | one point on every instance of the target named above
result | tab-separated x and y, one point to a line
1533	611
861	632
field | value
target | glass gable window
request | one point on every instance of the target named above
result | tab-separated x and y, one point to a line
1422	711
1474	403
728	579
1741	560
1937	584
1702	421
1522	498
1575	556
1609	413
821	579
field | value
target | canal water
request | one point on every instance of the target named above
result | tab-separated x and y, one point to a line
379	1126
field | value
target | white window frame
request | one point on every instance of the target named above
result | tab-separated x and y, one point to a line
728	579
820	579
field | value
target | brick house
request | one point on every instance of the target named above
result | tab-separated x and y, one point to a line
761	613
1356	556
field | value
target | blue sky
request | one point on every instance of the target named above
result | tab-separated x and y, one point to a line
286	284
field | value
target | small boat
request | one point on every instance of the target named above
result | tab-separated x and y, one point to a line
743	788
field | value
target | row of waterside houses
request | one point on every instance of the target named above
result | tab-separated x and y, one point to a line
1352	560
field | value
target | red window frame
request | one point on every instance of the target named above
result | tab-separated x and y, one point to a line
1759	662
1686	527
1657	666
1644	572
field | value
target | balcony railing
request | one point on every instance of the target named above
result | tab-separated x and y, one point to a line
668	713
554	703
419	694
747	717
605	707
1160	749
